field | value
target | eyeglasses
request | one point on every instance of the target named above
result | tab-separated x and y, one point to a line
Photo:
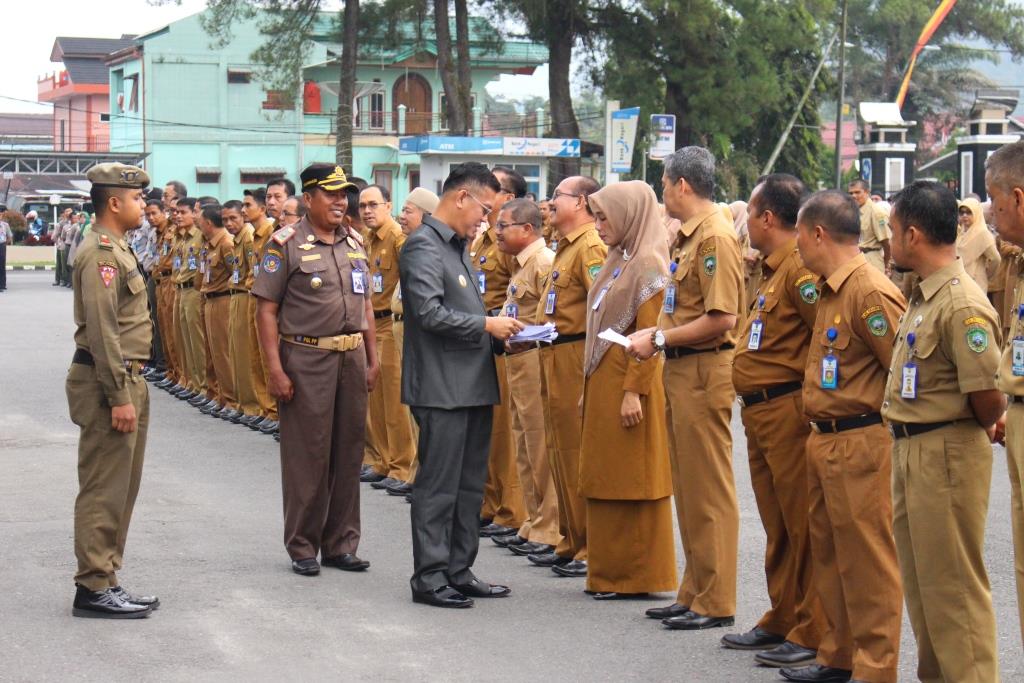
501	225
559	193
289	213
487	209
372	206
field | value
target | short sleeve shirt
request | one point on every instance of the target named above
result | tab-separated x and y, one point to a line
217	266
874	226
492	266
383	249
563	300
530	270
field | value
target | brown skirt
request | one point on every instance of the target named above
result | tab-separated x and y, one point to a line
631	546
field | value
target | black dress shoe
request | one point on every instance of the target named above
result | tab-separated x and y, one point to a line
478	589
150	601
402	488
506	541
371	476
347	561
306	567
611	595
198	400
576	568
692	621
209	407
164	383
180	392
256	424
531	548
673	610
816	673
789	654
381	484
248	419
218	411
106	604
408	498
548	559
493	529
445	596
269	427
277	437
230	414
754	639
484	521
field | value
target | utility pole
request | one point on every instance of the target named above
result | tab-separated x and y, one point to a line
842	96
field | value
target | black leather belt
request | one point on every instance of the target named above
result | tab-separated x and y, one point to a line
865	251
530	346
755	397
903	430
568	338
680	351
377	315
842	424
83	357
1017	399
214	295
185	285
238	291
397	317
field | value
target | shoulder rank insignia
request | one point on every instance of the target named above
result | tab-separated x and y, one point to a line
105	242
354	234
284	234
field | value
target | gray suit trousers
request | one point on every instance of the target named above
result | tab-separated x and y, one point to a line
453	449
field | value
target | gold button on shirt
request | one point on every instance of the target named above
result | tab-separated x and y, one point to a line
383	248
864	307
955	349
790	294
708	275
578	258
531	268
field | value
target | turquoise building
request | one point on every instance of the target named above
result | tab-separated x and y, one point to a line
203	117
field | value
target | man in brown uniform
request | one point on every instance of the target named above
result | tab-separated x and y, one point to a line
186	281
216	291
389	443
519	235
768	372
255	211
563	302
874	226
940	400
504	509
698	330
849	451
242	255
1004	182
165	293
107	397
313	312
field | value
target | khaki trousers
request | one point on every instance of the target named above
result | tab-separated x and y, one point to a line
109	472
562	387
258	368
853	553
526	404
241	359
503	494
165	314
213	390
699	409
1015	465
388	432
776	439
217	312
194	337
398	330
940	488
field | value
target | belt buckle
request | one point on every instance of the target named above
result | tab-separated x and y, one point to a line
739	399
336	343
814	427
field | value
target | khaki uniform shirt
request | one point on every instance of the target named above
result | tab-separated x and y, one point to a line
530	270
786	314
1006	380
217	268
578	258
383	248
111	310
313	282
864	307
260	236
874	226
708	274
492	266
164	255
955	350
187	255
242	256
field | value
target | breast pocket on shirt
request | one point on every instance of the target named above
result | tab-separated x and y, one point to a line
312	272
136	284
384	260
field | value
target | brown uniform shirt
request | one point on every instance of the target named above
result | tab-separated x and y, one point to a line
384	247
708	274
1007	381
187	256
874	226
164	252
260	236
242	255
492	266
563	299
314	282
955	350
864	307
111	310
786	314
530	269
219	254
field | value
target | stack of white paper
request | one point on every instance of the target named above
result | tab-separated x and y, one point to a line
536	333
614	337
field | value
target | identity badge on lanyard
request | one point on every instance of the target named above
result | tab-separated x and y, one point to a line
191	259
604	290
549	305
830	364
177	262
756	327
236	276
358	283
378	283
909	388
1018	346
670	291
481	277
512	308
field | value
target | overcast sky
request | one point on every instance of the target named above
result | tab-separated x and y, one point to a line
33	26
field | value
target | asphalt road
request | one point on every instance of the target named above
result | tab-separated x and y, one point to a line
206	538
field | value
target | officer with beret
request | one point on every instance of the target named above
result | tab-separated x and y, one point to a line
107	397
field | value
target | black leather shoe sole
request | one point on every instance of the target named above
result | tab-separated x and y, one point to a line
787	655
747	641
87	613
674	610
306	569
429	599
698	624
360	566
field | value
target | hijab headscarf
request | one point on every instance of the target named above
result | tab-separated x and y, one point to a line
973	242
636	268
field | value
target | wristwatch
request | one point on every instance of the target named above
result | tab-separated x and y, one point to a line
658	340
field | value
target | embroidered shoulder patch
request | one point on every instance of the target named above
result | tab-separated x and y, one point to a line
106	243
710	263
869	311
877	324
271	263
976	321
977	338
808	292
108	271
284	234
594	267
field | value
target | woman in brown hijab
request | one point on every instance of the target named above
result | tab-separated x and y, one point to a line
624	466
976	244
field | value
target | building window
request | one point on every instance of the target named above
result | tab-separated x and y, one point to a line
414	179
531	172
132	88
383	177
377	110
260	176
443	109
279	100
207	174
239	76
894	175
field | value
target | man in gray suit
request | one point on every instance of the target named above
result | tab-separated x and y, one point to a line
449	381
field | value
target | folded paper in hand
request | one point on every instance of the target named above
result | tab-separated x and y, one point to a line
535	333
614	337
